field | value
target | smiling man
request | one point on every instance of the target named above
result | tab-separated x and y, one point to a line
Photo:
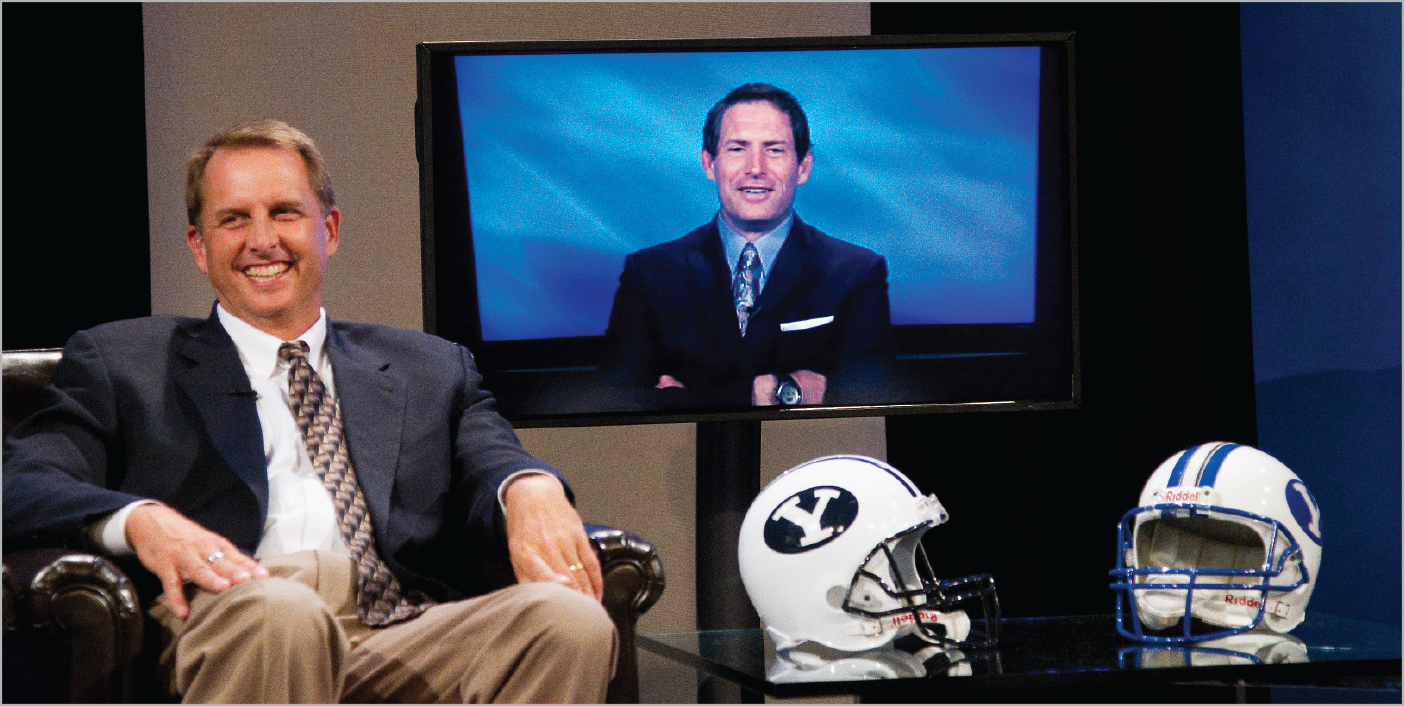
756	307
270	234
310	499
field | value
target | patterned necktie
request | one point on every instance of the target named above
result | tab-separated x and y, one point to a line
381	600
743	287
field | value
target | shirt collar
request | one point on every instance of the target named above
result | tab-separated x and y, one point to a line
259	350
767	246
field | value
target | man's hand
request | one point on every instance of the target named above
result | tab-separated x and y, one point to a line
811	385
546	538
177	550
763	390
668	381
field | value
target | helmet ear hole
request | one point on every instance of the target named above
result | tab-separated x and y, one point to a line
835	597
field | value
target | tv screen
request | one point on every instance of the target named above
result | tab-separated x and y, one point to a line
907	201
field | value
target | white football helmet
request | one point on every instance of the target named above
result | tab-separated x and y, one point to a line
829	553
1225	534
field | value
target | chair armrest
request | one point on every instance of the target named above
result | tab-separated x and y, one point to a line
633	572
633	577
86	606
84	603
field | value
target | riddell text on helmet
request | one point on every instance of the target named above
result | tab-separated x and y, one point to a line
1248	601
1279	608
1182	496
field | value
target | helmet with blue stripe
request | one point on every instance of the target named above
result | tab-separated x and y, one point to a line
1226	540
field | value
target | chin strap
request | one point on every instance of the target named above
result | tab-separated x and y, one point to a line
956	623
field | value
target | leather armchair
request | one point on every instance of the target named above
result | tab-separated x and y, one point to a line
74	629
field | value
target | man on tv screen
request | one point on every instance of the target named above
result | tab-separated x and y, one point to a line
756	307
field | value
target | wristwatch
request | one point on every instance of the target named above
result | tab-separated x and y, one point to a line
788	391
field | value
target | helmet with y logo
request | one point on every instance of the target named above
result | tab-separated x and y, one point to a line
1226	539
830	552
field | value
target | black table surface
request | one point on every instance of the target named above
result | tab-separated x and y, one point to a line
1043	653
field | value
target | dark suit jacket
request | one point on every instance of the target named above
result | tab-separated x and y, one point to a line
161	408
674	315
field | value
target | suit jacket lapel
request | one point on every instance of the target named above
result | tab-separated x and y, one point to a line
373	412
207	368
793	269
712	277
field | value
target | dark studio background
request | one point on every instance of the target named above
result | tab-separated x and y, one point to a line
76	243
1172	230
1165	328
1256	303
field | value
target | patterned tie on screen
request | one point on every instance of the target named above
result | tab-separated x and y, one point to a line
380	600
743	287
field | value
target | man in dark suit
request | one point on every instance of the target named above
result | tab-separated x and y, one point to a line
755	307
313	497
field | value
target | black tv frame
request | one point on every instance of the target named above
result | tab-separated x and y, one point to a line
446	237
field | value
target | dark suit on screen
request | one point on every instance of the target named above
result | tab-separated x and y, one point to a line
674	314
161	408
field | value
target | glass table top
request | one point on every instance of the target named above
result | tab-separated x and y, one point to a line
1047	651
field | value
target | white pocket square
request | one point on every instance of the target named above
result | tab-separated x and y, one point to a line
807	323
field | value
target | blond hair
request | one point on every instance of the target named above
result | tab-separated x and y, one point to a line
259	133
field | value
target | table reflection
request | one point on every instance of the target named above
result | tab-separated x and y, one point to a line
812	662
1033	652
1247	648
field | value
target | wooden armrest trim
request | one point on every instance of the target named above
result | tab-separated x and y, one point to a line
85	571
619	548
88	604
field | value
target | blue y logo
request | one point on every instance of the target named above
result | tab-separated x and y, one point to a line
1304	509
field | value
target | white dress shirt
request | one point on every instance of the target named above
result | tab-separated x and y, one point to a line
300	511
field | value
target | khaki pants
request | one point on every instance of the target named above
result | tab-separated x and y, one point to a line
294	638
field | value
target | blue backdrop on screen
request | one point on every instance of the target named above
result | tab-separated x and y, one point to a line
926	156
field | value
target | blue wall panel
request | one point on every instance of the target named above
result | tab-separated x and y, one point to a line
1321	103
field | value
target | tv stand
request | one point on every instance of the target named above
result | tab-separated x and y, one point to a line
728	479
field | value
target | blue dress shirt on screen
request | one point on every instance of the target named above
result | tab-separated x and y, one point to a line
768	246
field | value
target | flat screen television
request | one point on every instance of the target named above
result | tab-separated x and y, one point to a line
947	160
